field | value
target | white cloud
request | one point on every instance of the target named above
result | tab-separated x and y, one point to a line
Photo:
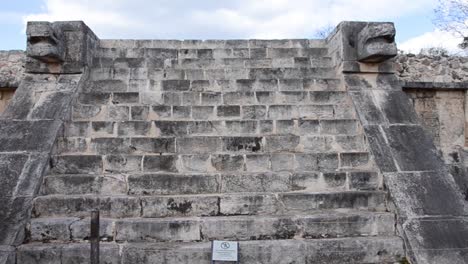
220	19
434	39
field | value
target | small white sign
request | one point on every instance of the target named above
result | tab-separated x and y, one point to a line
225	251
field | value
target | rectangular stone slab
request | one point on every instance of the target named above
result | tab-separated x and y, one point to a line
36	136
425	193
413	148
438	239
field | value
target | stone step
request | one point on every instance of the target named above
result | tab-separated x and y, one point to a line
205	154
170	126
312	251
118	84
212	44
228	74
180	93
216	53
190	62
122	206
236	228
114	184
219	112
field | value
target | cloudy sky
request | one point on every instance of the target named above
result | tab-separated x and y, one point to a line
225	19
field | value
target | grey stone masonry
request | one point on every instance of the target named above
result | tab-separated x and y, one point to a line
430	207
426	68
11	68
178	143
59	47
29	128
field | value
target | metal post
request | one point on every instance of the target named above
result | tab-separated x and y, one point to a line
94	237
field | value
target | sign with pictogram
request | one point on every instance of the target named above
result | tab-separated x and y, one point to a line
224	251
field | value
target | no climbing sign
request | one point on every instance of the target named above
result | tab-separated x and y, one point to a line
224	251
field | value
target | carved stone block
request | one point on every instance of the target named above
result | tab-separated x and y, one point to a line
45	42
59	47
376	42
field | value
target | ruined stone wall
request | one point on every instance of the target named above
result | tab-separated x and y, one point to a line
5	97
423	68
436	86
11	67
443	114
11	72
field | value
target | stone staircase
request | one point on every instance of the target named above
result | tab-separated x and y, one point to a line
178	143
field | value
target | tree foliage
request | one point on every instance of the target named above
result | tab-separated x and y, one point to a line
324	32
452	16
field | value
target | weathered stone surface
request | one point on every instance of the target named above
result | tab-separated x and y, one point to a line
11	68
245	204
62	253
80	230
81	206
172	184
162	163
227	163
354	160
77	164
438	197
412	166
267	227
366	107
105	145
21	103
308	251
11	167
376	42
168	206
7	255
122	164
381	152
441	113
396	107
316	162
50	229
260	182
157	230
432	69
59	47
440	239
199	140
45	42
40	254
199	144
84	184
109	253
364	180
102	128
37	136
413	148
315	201
33	120
195	163
231	228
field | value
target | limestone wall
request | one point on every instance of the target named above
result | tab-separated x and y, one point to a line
5	97
439	98
443	115
423	68
11	68
11	72
437	87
